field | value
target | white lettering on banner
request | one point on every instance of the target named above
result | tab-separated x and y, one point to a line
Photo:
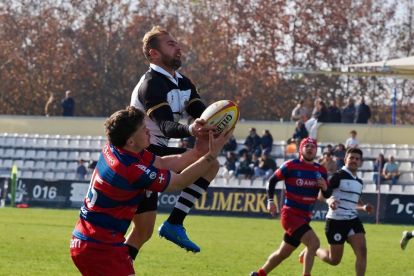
319	215
106	152
409	208
169	199
75	243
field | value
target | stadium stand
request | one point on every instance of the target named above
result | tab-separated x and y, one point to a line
57	156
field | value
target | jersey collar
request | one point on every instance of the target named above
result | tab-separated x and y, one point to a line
162	71
349	172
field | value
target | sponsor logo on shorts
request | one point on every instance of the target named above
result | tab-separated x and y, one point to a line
75	243
337	237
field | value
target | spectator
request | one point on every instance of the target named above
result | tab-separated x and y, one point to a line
390	170
186	143
266	142
328	163
252	143
300	133
254	162
348	113
229	165
81	170
299	113
266	167
68	105
378	167
309	123
327	149
334	113
363	112
230	145
51	108
242	167
321	116
352	142
339	156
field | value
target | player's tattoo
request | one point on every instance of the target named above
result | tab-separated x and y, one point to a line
209	158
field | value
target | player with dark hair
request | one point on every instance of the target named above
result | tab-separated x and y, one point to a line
123	174
342	222
303	179
164	95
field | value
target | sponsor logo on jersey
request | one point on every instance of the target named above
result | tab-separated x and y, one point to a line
108	155
301	182
153	175
145	169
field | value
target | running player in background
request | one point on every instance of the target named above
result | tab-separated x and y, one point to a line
164	95
303	179
342	222
123	174
406	236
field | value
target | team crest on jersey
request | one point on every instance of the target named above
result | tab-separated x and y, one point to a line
299	174
161	178
153	175
299	182
318	175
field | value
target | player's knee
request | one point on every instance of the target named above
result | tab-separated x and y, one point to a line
314	245
361	252
212	171
335	261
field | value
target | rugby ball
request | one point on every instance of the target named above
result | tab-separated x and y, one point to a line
220	114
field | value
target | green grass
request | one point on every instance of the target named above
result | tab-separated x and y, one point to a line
36	242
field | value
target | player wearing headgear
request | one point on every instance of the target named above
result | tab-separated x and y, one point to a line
303	178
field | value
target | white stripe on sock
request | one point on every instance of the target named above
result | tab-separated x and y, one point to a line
188	197
182	207
197	189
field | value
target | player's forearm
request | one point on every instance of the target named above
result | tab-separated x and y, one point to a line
271	185
191	173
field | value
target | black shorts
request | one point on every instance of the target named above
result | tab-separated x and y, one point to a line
338	231
294	240
151	203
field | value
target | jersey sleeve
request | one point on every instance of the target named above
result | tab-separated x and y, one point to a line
282	172
334	180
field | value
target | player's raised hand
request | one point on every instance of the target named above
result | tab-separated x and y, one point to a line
322	184
201	131
333	203
271	207
216	143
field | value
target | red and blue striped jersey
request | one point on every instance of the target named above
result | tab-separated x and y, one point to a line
118	185
301	187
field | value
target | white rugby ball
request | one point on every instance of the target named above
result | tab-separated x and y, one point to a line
220	114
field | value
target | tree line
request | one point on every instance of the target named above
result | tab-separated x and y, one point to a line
237	50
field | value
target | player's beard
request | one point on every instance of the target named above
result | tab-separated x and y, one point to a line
170	62
309	160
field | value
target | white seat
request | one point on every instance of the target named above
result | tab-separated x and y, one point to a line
70	176
49	175
385	188
1	151
95	155
19	164
403	154
376	151
7	164
258	183
407	177
40	165
233	182
405	166
219	182
409	189
222	160
74	144
10	141
28	165
73	155
41	154
247	183
19	153
62	155
8	153
41	143
367	177
61	166
59	175
72	166
52	143
20	142
367	165
38	175
30	154
369	188
280	185
366	152
85	155
50	165
277	151
396	189
27	174
51	155
84	144
389	152
280	161
30	142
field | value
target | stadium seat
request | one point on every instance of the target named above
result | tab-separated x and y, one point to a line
367	166
59	175
384	188
222	160
220	182
85	155
280	161
6	164
19	153
40	165
233	182
40	154
389	152
74	144
28	165
41	143
19	163
61	166
30	142
407	178
52	143
38	175
405	167
409	189
30	154
278	151
258	183
62	155
245	183
366	152
10	141
8	153
50	165
51	155
369	188
73	155
95	155
367	177
280	185
1	151
70	176
2	141
376	151
49	175
72	166
396	189
95	145
27	174
19	142
84	144
403	154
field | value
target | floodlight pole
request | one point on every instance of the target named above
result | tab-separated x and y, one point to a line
394	107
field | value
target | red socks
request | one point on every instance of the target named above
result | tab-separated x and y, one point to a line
306	275
261	272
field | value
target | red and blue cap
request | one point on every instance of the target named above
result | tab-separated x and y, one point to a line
306	141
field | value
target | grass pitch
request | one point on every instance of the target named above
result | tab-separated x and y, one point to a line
36	242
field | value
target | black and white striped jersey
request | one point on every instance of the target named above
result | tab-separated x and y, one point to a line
164	99
347	189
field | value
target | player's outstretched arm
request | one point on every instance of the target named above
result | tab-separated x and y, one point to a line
200	131
197	169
